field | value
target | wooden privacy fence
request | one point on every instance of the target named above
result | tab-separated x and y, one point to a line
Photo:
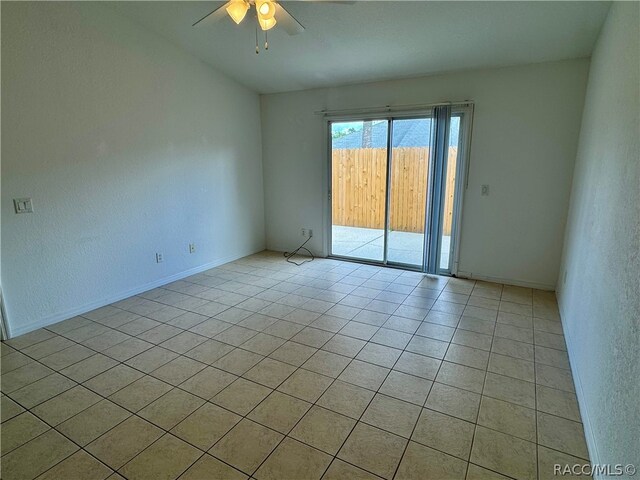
359	191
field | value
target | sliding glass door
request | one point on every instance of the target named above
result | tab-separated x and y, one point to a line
408	180
395	188
359	188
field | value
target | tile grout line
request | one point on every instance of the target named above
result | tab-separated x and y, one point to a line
425	402
475	428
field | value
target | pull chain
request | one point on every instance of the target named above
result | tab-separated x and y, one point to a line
257	47
266	40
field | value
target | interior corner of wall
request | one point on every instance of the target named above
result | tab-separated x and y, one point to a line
589	433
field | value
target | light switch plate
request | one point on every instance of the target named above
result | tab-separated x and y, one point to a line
23	205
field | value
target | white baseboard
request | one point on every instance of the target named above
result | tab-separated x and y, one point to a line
589	434
507	281
58	317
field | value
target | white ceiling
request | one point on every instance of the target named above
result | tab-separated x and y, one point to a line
372	40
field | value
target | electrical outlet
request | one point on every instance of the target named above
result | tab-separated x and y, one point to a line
159	258
192	248
484	190
23	205
307	232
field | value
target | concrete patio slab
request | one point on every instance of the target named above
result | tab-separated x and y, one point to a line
368	243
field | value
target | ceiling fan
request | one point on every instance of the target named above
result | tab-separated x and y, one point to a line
268	13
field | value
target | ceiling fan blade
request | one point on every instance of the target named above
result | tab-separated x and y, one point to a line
287	22
212	17
339	2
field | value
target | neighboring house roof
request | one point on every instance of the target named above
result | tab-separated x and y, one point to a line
406	133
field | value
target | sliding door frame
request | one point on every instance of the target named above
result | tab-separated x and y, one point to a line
427	114
329	206
461	181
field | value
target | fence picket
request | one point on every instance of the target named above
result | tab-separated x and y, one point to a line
359	187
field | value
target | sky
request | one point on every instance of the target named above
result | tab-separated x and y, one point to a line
337	127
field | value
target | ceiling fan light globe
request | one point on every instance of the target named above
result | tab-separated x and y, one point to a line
266	9
267	24
237	9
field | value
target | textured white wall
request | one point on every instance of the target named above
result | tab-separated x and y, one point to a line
600	301
525	134
128	146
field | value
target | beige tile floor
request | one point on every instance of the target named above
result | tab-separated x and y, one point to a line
262	369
